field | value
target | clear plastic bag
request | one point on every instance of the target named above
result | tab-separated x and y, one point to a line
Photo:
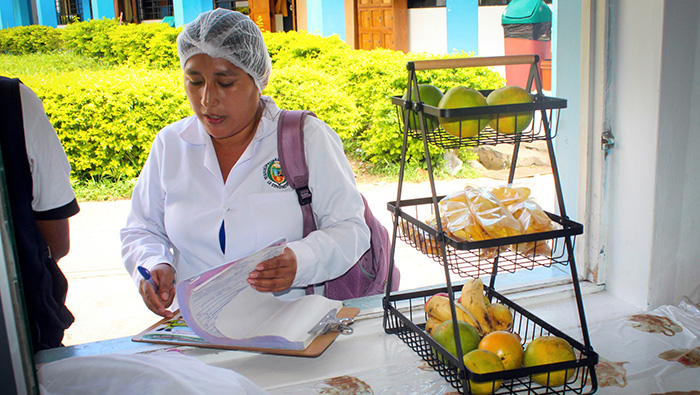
460	222
533	220
509	195
491	214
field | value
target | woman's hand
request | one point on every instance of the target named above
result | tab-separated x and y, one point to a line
276	274
158	302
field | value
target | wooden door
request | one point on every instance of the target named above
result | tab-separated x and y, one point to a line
382	24
261	14
375	19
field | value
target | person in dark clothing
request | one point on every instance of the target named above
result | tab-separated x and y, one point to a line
41	199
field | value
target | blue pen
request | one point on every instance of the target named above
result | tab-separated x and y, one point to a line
147	275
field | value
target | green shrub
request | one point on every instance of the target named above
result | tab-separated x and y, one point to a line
106	120
147	43
22	40
297	87
89	38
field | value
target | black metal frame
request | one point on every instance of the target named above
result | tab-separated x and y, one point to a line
154	9
469	259
229	4
68	10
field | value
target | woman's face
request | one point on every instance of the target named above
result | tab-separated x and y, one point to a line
222	96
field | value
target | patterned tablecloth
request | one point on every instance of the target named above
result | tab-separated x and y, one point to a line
657	352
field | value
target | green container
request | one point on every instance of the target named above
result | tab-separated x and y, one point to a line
526	11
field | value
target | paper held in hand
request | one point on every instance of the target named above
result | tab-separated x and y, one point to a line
222	308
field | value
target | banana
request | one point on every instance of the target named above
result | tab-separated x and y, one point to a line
501	317
472	300
431	324
438	306
466	316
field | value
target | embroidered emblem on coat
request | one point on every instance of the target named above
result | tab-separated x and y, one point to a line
272	172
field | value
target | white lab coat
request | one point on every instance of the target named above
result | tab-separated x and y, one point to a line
180	201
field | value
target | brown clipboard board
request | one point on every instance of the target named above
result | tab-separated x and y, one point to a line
316	348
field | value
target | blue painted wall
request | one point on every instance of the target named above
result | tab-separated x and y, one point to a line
463	26
7	15
334	18
103	9
46	12
314	16
21	14
185	11
566	82
326	17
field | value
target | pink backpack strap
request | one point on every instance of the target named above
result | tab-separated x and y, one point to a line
290	147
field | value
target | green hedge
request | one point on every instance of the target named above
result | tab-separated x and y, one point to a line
22	40
152	44
107	118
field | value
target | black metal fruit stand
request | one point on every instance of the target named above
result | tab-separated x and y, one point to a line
403	312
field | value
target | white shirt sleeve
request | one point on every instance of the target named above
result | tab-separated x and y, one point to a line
144	239
51	187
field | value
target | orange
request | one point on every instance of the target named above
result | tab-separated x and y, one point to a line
545	350
482	361
506	345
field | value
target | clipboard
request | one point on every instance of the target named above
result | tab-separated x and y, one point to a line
316	348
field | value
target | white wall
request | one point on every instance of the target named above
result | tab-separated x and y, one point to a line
491	41
653	183
676	254
427	30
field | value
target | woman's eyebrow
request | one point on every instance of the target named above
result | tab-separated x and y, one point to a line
222	73
226	73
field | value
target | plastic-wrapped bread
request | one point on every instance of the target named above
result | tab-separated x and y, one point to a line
460	223
491	214
509	195
533	220
458	219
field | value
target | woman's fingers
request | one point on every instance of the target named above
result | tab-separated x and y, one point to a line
276	274
158	300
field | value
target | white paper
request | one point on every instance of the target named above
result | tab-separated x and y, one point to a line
221	307
255	313
209	298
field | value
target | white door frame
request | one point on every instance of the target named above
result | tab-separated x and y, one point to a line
594	121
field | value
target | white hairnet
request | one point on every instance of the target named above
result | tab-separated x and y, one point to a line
229	35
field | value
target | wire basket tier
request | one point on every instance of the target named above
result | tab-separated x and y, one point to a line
406	318
488	120
481	258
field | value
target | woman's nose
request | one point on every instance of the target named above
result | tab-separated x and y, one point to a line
208	96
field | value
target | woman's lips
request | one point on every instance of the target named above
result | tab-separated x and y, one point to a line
213	119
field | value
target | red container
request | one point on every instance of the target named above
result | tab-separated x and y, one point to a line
517	74
546	67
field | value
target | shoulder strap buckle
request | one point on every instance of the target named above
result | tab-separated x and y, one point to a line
304	195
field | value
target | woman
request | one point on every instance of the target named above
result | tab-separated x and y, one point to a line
207	194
